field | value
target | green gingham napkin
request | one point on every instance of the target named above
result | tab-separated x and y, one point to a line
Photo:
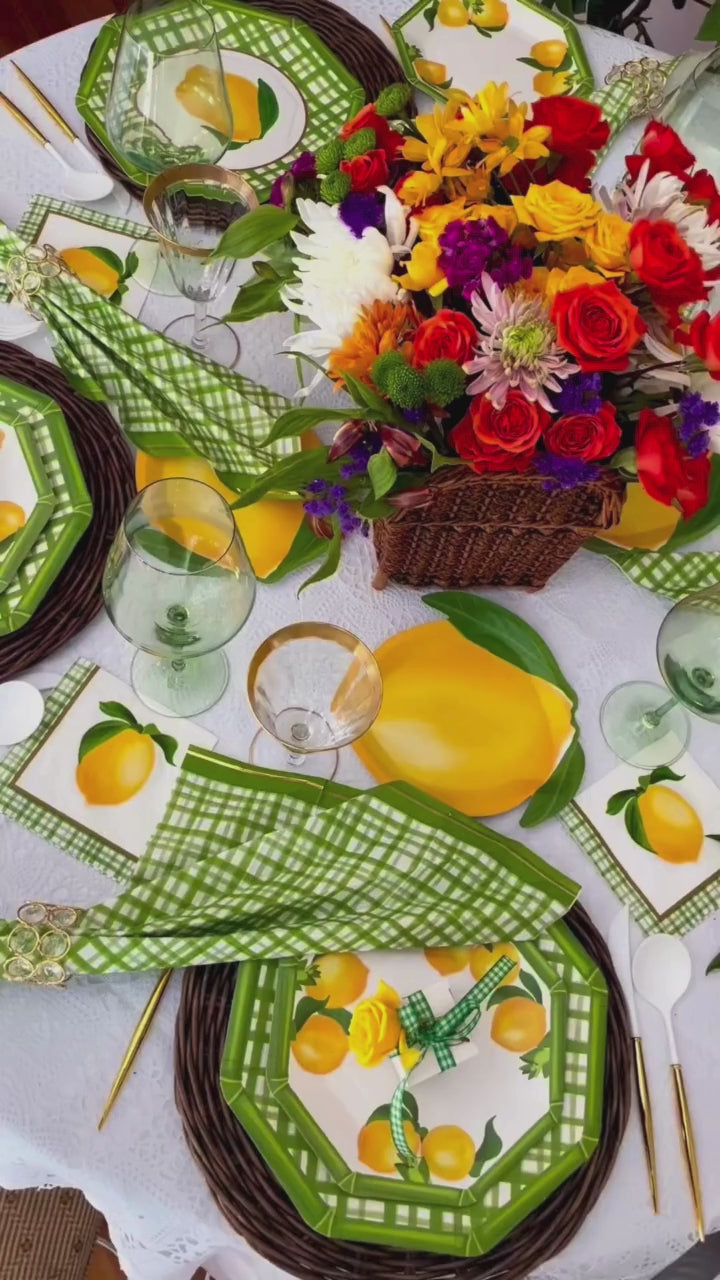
341	870
166	398
668	573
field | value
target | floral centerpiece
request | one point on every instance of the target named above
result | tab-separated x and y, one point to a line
516	345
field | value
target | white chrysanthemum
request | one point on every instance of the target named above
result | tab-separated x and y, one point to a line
339	274
662	197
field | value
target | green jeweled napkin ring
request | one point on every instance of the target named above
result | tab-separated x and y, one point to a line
38	944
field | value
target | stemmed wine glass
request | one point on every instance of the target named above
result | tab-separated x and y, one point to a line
641	724
314	688
178	585
189	208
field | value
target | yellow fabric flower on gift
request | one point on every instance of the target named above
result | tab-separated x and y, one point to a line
422	270
494	124
557	211
607	243
418	187
409	1058
375	1027
559	281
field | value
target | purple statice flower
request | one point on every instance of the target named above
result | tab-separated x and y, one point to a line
304	166
414	416
470	248
695	416
332	501
564	473
581	393
359	456
360	210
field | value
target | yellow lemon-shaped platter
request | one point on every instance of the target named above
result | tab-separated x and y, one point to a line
470	728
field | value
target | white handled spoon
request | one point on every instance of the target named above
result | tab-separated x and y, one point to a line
78	185
661	971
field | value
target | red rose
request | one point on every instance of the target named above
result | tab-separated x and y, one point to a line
701	188
577	125
663	148
485	457
598	325
664	262
666	472
448	335
367	172
572	170
387	139
705	341
584	435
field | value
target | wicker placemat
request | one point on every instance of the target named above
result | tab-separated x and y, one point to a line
258	1209
106	464
46	1235
361	51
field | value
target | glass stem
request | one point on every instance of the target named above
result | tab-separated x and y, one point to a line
199	338
651	719
295	759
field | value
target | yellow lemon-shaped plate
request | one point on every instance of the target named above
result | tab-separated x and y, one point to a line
464	725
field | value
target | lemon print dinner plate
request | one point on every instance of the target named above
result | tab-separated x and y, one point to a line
70	515
287	91
461	44
464	725
519	1114
26	496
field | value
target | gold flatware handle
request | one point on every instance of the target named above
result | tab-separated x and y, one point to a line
688	1138
22	119
45	103
646	1119
136	1040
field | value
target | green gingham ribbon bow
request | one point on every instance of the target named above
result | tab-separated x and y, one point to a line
424	1031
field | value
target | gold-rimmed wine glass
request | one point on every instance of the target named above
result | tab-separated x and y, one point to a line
314	688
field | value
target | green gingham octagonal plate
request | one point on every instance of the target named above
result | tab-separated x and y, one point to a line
464	1220
279	75
23	480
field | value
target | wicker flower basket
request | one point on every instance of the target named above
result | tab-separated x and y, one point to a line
492	530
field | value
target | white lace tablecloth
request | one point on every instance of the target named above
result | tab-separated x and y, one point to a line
59	1050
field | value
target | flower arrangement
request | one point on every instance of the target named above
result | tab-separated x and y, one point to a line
484	308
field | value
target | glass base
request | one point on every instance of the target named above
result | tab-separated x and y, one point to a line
221	343
643	725
180	686
269	753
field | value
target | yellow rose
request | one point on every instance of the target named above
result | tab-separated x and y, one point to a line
375	1027
559	281
417	187
536	284
607	243
422	270
556	211
504	215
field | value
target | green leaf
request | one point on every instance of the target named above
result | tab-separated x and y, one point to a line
532	62
709	836
410	1107
714	965
419	1174
489	1148
268	108
295	421
382	472
708	517
437	459
501	994
537	1061
257	299
559	789
254	232
430	14
710	27
329	565
368	398
167	745
634	826
410	1110
375	509
617	802
661	774
99	734
306	547
117	711
132	262
532	985
289	475
167	551
305	1008
341	1016
111	260
380	1113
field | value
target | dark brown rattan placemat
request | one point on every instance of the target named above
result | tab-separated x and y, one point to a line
258	1209
46	1235
106	463
358	48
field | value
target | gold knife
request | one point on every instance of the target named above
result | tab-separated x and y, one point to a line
46	104
136	1041
22	119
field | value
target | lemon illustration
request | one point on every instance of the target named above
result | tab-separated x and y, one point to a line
452	13
12	518
549	53
644	524
341	979
483	958
519	1024
430	72
447	959
376	1148
659	818
320	1045
253	106
549	84
449	1152
487	14
96	274
117	756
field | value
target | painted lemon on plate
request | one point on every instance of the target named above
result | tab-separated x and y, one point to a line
449	1152
12	518
549	53
659	818
469	728
519	1024
341	979
320	1045
644	523
117	756
253	105
376	1148
452	13
488	15
431	72
550	84
482	960
447	960
102	270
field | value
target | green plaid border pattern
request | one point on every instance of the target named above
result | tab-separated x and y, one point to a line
673	574
331	95
686	916
24	809
463	1230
